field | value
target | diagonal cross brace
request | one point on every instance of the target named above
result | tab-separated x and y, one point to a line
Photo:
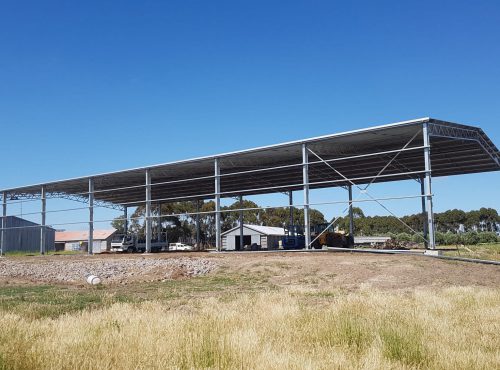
364	190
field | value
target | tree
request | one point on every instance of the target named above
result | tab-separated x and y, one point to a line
403	237
440	238
231	219
471	238
118	224
452	238
488	218
487	237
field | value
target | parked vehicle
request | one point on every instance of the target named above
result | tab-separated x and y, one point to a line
322	234
130	243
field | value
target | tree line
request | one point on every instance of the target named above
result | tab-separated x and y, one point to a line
453	221
180	221
182	225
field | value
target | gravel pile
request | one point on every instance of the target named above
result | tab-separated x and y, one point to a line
108	270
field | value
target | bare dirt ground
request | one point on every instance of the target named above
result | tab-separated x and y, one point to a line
322	270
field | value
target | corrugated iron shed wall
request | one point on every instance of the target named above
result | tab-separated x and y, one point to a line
23	235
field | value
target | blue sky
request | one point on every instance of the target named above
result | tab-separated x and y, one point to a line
95	86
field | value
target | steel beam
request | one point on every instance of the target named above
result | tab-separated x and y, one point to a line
43	222
90	246
3	236
148	211
218	241
241	223
424	211
428	190
305	180
351	215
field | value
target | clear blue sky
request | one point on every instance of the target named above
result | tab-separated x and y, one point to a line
95	86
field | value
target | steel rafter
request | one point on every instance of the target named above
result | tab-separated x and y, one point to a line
454	132
84	199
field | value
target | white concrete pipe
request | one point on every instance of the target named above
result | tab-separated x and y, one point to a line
93	280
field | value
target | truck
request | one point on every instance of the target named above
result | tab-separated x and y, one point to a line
131	243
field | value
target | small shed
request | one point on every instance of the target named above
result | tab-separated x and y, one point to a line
23	235
79	240
267	237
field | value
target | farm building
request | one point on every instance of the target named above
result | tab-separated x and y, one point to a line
78	240
419	149
266	236
23	235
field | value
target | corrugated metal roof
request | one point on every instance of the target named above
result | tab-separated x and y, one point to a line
264	230
451	154
69	236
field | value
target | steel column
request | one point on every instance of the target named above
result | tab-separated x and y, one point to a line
148	211
198	224
291	229
428	189
125	220
158	225
351	215
305	181
4	223
218	244
90	246
43	198
424	212
241	223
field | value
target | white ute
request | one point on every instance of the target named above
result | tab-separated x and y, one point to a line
179	247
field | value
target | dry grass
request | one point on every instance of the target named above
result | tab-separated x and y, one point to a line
479	251
447	328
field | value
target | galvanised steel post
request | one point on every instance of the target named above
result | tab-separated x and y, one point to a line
241	223
305	180
90	246
351	214
148	211
290	201
424	211
158	225
125	220
218	244
198	224
42	224
428	189
4	223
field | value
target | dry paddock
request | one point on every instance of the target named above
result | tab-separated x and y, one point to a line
300	269
249	310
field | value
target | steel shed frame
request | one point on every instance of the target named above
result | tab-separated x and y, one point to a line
417	149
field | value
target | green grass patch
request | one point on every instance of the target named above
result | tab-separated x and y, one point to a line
52	301
37	253
403	343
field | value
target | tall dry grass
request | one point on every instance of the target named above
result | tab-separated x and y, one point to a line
455	328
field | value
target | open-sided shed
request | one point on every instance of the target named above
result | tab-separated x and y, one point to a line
417	149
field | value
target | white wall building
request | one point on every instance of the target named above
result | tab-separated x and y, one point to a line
79	240
267	237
